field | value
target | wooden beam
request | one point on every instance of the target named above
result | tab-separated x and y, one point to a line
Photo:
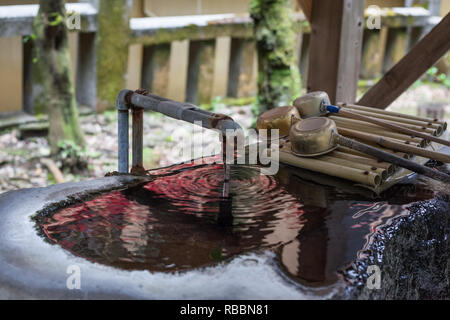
421	57
306	6
335	47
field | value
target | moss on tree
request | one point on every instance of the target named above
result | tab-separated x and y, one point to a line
278	78
112	57
52	74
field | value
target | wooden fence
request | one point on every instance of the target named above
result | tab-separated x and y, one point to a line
382	48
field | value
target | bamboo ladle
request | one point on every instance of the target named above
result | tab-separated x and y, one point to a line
317	103
318	135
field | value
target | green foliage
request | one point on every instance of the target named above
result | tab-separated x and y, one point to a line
432	71
216	254
69	149
74	158
433	75
110	115
55	19
31	37
169	139
278	78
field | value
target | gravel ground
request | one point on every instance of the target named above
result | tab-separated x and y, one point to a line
21	165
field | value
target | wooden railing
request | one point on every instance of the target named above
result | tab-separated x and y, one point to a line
400	29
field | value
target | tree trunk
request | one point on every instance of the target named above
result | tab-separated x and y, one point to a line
279	78
112	54
52	74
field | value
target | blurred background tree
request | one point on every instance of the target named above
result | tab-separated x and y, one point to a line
278	75
52	74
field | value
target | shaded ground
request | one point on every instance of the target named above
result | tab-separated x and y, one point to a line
21	163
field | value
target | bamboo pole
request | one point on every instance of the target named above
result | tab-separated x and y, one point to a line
330	158
394	152
396	128
397	153
407	164
354	152
356	175
431	131
394	114
402	120
351	124
396	146
372	162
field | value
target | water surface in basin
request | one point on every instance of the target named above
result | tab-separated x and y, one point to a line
179	221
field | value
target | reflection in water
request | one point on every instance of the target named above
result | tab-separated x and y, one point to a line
179	221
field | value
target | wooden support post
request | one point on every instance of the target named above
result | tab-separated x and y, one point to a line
396	47
221	66
304	59
240	78
424	54
374	45
234	71
200	72
179	56
306	6
86	81
155	69
335	47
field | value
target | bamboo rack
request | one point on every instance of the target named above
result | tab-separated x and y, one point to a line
363	169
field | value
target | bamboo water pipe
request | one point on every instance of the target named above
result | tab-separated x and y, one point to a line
395	146
443	124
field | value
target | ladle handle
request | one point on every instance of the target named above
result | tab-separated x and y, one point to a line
391	126
401	162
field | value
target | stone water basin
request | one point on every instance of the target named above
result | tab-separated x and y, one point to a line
167	236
